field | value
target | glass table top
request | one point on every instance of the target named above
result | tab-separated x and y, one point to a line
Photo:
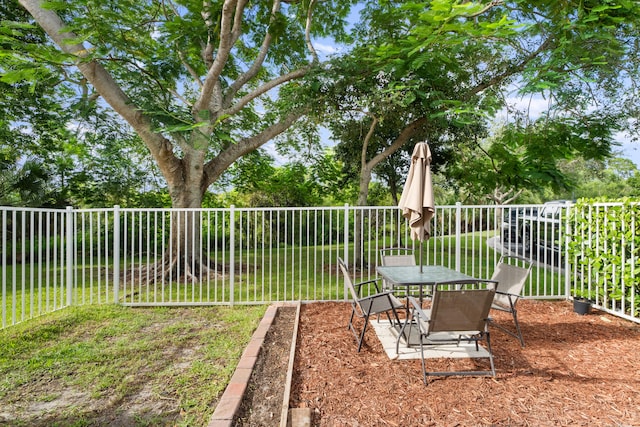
411	275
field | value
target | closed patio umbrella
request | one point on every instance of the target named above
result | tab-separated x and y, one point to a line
416	201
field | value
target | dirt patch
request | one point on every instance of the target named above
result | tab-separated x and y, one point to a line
263	400
155	368
574	370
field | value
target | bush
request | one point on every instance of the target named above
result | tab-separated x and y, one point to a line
604	250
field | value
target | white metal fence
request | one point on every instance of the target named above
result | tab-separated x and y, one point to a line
55	258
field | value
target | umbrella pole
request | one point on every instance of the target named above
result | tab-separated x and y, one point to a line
420	246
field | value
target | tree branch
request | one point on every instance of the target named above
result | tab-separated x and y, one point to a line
192	72
409	131
257	64
224	50
216	166
490	5
510	71
207	50
367	138
160	148
263	89
307	32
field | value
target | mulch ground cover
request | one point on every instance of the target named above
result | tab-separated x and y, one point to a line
574	370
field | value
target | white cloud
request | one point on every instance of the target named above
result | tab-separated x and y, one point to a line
326	49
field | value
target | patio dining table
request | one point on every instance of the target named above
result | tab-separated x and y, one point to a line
417	276
421	277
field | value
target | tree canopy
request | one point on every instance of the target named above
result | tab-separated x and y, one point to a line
203	84
448	66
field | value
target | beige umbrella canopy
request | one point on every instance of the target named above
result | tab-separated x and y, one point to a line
416	201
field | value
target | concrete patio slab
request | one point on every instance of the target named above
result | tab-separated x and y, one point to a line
388	336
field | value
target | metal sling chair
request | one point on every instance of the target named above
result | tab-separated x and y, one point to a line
366	306
459	312
511	273
396	257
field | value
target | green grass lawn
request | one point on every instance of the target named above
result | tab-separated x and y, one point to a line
109	365
261	275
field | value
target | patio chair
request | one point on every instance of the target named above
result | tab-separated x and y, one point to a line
370	305
459	312
511	273
396	257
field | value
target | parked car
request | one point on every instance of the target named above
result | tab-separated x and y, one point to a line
533	232
515	234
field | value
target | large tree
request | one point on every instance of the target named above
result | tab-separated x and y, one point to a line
425	61
202	83
205	82
196	80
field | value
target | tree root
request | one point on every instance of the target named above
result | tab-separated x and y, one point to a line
175	269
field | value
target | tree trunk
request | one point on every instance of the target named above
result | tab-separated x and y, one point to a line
365	179
397	219
182	261
366	169
186	187
185	232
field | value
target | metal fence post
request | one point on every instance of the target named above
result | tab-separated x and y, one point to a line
345	253
70	236
232	257
116	253
458	234
565	250
3	300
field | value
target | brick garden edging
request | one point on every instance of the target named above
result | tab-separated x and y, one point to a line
231	399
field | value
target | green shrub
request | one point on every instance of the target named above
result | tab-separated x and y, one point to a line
604	251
